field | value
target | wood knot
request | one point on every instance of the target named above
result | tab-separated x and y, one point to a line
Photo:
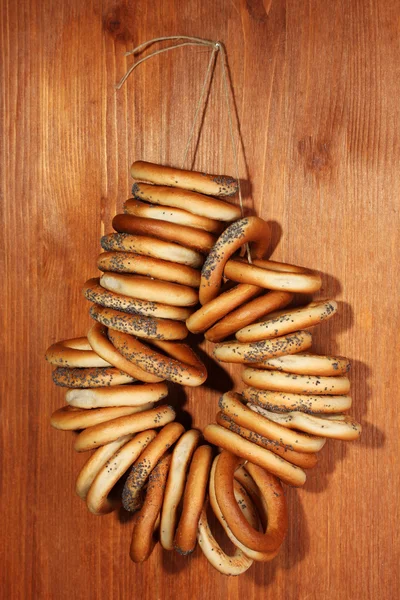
118	24
316	155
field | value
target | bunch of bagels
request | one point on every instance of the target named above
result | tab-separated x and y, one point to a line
175	264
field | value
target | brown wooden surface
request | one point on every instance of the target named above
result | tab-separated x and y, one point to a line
317	88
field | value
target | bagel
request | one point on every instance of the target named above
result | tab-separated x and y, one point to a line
98	338
217	308
193	500
237	352
90	378
69	418
139	474
127	262
249	229
240	414
273	276
196	239
76	352
97	294
297	384
153	290
215	185
119	395
98	500
172	215
307	364
138	325
285	401
104	433
150	246
180	364
290	321
246	314
181	457
145	521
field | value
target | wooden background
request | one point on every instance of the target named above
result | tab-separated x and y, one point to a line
317	88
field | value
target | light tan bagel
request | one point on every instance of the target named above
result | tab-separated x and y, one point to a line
288	322
307	364
288	473
72	353
300	459
176	362
127	262
147	519
340	427
99	500
266	274
152	290
214	310
172	215
297	384
238	352
97	294
231	405
69	418
181	458
98	338
90	377
215	185
197	239
249	229
193	500
138	325
132	492
119	395
150	246
248	313
98	435
285	401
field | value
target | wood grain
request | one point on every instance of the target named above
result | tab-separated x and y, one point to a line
317	86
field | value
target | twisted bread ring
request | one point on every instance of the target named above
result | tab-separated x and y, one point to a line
181	457
119	395
98	435
90	378
76	352
307	364
131	495
215	185
69	418
238	352
297	384
249	229
97	499
285	401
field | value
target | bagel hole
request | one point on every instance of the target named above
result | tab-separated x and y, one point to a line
219	534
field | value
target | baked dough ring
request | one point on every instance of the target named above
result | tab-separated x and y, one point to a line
197	239
181	457
179	363
131	495
273	275
214	310
98	435
172	215
97	294
145	521
97	499
285	401
76	352
150	246
98	338
138	325
307	364
152	290
297	384
249	229
238	352
127	262
287	472
119	395
193	500
90	378
69	418
248	313
231	405
339	427
215	185
288	322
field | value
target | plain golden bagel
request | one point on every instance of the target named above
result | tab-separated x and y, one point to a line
286	401
72	353
69	418
90	377
307	364
298	384
138	394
